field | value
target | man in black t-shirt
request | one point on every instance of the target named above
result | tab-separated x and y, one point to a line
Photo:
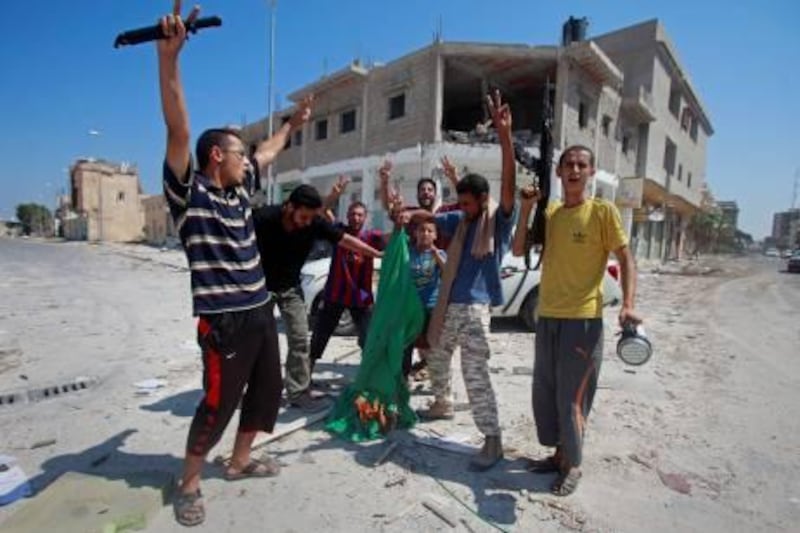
285	235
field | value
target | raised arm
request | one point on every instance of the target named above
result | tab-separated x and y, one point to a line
353	244
268	149
173	102
529	195
337	190
501	118
384	173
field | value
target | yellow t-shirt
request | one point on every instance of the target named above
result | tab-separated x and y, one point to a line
577	243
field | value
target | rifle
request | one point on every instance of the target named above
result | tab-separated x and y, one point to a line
542	168
152	33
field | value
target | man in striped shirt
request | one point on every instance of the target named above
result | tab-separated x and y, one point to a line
235	329
349	284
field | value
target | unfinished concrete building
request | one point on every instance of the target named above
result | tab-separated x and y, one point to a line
159	228
429	104
105	202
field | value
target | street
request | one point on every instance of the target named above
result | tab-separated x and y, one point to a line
705	437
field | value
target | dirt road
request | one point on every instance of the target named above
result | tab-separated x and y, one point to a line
705	437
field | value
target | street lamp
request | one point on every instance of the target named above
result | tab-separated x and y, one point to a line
270	88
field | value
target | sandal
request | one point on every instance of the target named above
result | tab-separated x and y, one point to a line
566	482
263	467
188	506
542	466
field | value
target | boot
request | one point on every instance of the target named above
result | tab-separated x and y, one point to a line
438	410
489	455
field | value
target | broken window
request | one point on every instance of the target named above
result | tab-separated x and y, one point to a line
670	155
322	129
675	100
606	125
583	115
347	121
397	106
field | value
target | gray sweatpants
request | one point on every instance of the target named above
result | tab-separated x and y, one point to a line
295	321
565	371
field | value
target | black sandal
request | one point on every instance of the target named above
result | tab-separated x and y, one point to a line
566	482
189	509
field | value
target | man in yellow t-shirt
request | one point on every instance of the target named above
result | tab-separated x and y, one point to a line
580	232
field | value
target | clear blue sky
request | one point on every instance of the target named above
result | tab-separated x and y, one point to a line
61	77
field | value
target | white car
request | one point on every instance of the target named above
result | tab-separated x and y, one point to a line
520	289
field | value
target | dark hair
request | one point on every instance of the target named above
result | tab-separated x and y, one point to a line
426	180
358	203
209	139
305	196
474	184
577	148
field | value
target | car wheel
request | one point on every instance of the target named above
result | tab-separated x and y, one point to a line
527	311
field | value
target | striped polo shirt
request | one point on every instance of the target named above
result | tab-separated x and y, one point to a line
216	229
350	276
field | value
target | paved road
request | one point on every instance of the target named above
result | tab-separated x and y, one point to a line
717	408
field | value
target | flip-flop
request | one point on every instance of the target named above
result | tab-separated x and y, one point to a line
188	507
263	467
566	483
542	466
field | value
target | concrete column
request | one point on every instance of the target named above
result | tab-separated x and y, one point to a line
438	95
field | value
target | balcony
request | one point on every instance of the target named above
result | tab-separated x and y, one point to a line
639	106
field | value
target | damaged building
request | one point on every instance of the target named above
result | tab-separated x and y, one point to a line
605	93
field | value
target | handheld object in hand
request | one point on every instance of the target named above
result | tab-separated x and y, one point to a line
633	347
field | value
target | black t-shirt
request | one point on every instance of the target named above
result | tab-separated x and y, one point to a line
283	253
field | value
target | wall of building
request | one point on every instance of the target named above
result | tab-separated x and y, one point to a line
159	227
109	197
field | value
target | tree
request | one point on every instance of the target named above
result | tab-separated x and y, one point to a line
36	219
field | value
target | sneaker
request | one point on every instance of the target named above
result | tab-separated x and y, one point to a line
489	455
437	410
309	405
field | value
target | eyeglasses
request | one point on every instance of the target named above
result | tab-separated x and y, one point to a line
240	153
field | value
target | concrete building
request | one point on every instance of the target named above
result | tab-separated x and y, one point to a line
664	132
104	202
429	104
159	228
785	228
730	213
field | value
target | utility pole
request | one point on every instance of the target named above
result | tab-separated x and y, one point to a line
270	89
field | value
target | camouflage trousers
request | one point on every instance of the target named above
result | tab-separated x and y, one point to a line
467	326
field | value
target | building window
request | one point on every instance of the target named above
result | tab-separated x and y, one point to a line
397	106
322	129
680	172
686	118
583	115
121	196
674	100
606	125
689	179
298	137
693	130
347	121
626	143
670	155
